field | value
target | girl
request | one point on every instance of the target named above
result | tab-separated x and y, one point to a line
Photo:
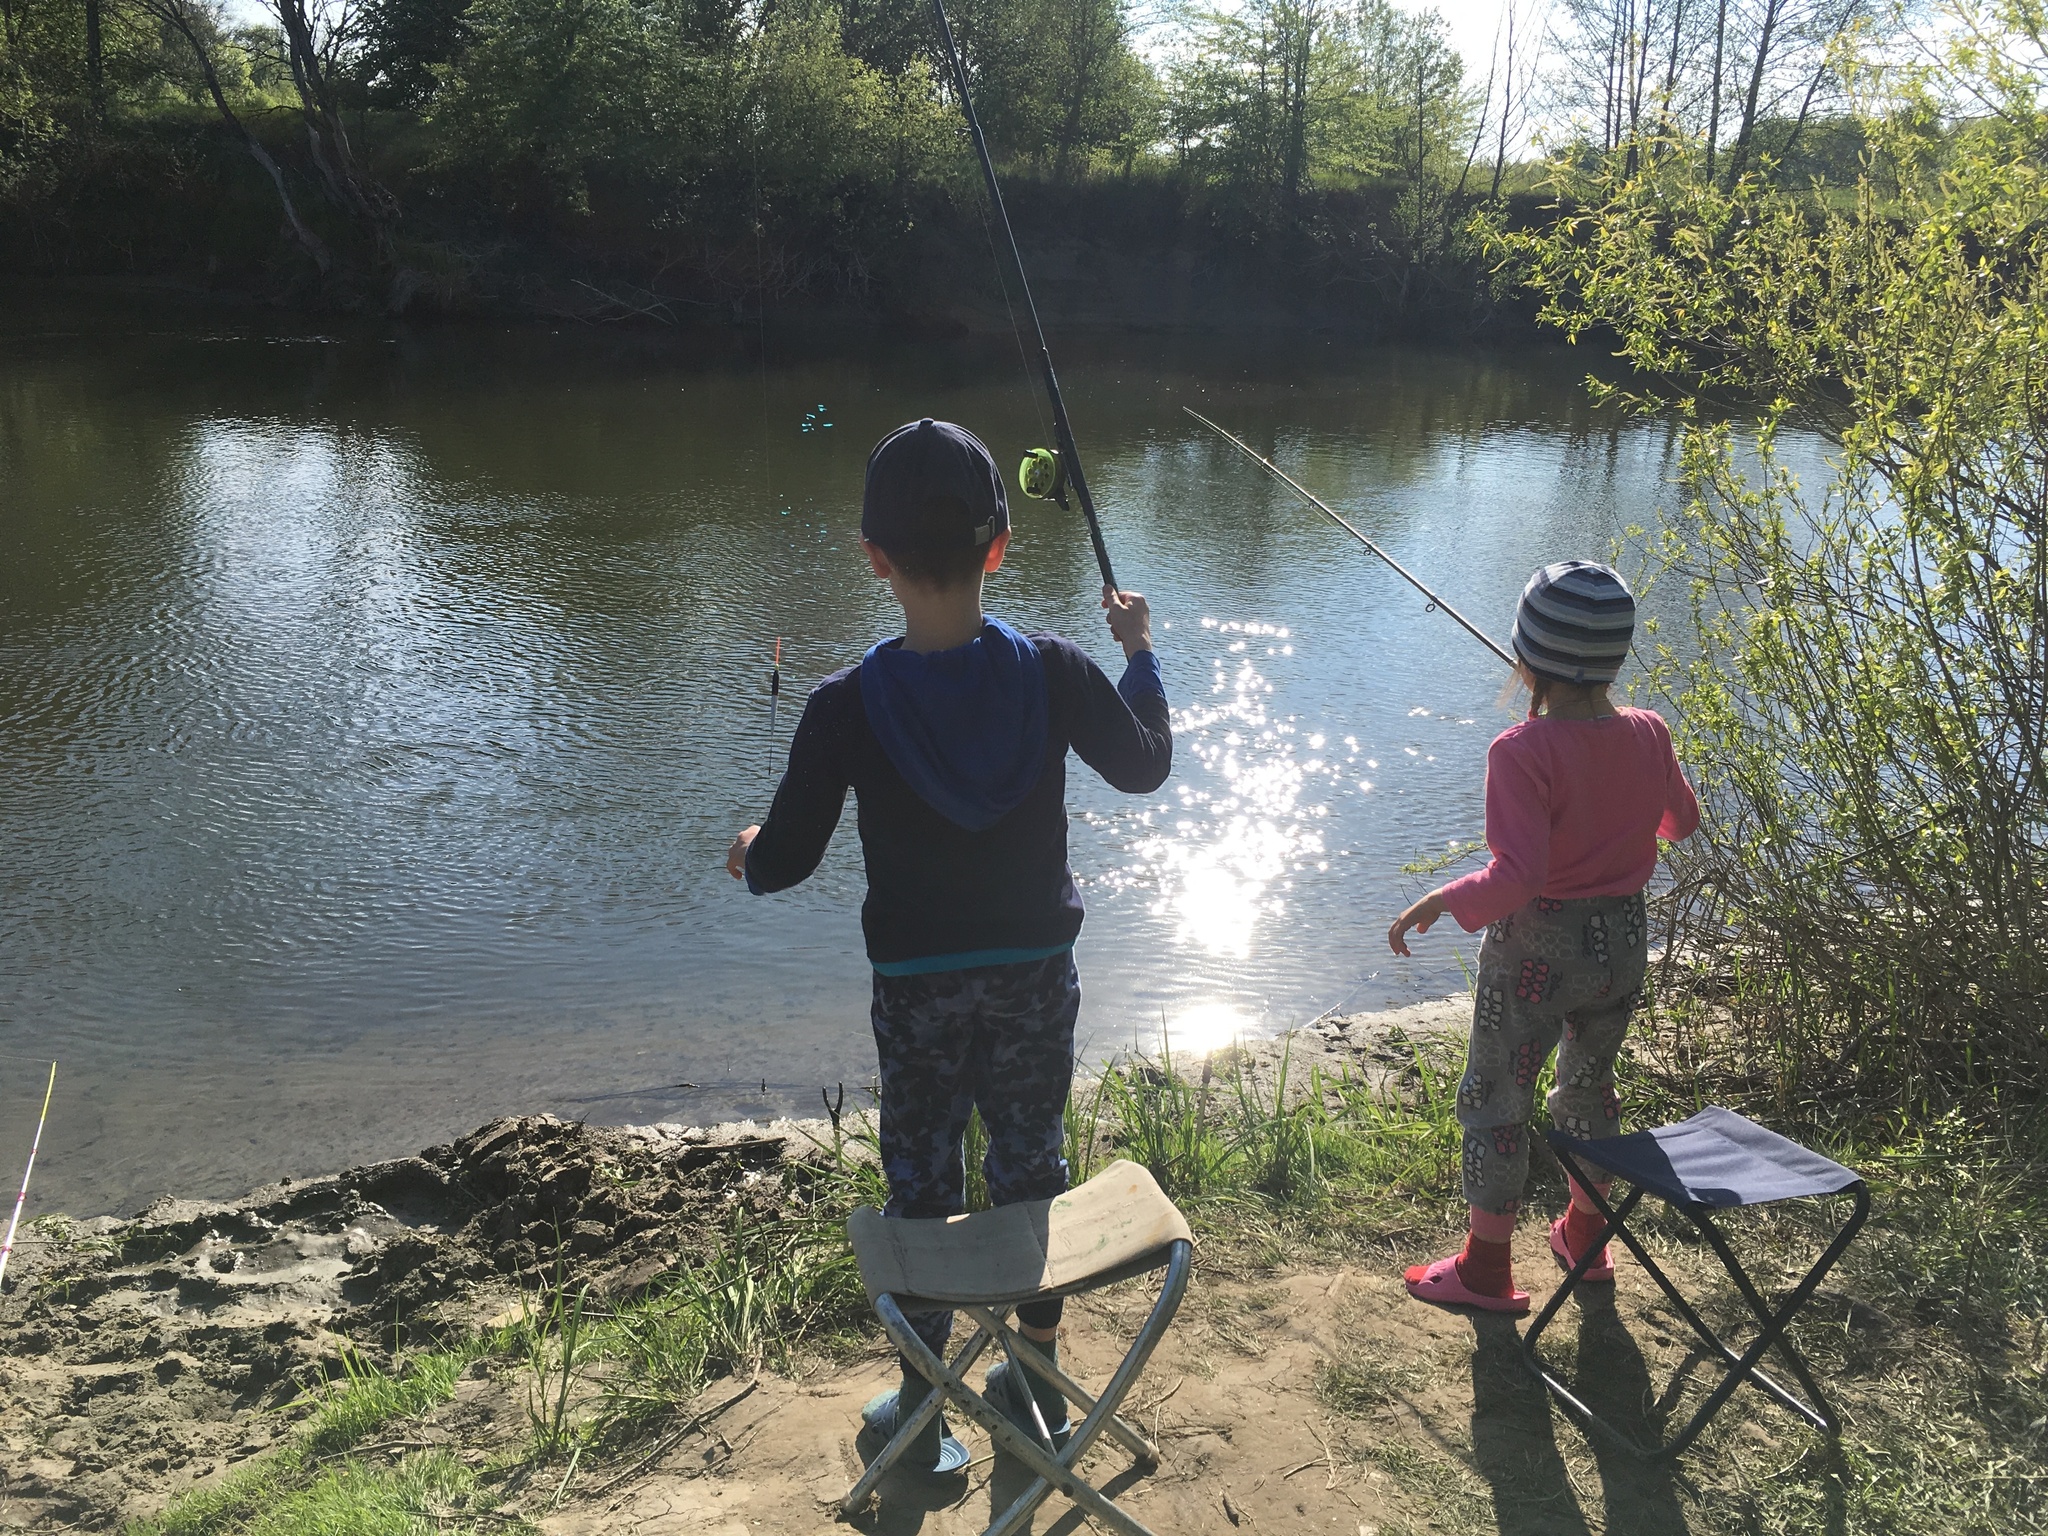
1576	797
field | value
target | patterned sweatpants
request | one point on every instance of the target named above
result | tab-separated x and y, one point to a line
998	1038
1557	975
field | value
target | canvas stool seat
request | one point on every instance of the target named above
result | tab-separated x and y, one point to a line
1715	1161
1117	1225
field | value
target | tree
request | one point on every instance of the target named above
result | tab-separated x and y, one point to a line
549	90
403	42
1863	687
320	36
198	25
1056	82
1267	95
1763	55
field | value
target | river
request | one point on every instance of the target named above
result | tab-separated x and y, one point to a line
376	707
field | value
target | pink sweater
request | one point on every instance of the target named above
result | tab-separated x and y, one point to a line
1574	808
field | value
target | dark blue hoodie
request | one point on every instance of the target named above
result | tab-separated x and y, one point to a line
965	727
957	761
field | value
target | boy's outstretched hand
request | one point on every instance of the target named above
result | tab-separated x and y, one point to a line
1130	620
736	855
1421	917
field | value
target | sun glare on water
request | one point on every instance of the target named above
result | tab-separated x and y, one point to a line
1221	862
1209	1027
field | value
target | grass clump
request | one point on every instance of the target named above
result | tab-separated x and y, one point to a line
1364	1383
1237	1133
311	1484
429	1492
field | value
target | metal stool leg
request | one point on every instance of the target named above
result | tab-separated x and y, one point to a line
1736	1368
858	1495
1102	1412
1050	1473
1118	1428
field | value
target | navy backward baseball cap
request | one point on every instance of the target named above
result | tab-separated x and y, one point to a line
932	485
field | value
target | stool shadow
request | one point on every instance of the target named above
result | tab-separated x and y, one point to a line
904	1498
1010	1477
1514	1441
1613	1379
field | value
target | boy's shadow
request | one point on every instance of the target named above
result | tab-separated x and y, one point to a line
1514	1436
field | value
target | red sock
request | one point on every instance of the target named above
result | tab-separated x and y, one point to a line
1581	1227
1487	1268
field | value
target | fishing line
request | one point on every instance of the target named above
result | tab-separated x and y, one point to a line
7	1247
1399	569
761	332
1016	331
1045	472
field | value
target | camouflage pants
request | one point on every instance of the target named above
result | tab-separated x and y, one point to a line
1557	975
998	1038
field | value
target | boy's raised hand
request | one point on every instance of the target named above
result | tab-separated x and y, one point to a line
1130	620
736	855
1421	917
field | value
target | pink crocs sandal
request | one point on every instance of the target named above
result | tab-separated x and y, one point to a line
1602	1268
1439	1283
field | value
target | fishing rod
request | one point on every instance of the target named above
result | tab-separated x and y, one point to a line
1399	569
7	1247
775	683
1045	473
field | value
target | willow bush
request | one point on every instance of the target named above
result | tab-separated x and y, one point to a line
1863	694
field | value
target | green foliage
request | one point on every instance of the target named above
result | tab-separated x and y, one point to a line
702	151
1171	1125
1280	94
739	125
558	1347
549	88
404	42
431	1492
1057	82
28	136
367	1398
302	1488
1863	692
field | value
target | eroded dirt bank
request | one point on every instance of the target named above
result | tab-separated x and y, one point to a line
142	1355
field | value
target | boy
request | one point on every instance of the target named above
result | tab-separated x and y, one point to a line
954	740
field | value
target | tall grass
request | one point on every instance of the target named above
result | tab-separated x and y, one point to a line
1240	1131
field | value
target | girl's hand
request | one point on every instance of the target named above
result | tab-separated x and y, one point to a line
1421	917
736	855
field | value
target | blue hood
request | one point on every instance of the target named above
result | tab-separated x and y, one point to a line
965	727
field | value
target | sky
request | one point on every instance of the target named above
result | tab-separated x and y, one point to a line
1471	25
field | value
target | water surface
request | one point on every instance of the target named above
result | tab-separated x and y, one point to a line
375	708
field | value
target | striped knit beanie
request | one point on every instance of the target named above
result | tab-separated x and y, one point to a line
1575	622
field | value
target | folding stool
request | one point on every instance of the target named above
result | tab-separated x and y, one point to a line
1111	1228
1714	1161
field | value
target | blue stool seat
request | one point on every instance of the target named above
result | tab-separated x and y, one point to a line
1715	1161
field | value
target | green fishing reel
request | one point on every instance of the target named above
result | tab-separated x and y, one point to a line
1043	476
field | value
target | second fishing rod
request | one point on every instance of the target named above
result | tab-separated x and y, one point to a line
1294	485
1044	475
